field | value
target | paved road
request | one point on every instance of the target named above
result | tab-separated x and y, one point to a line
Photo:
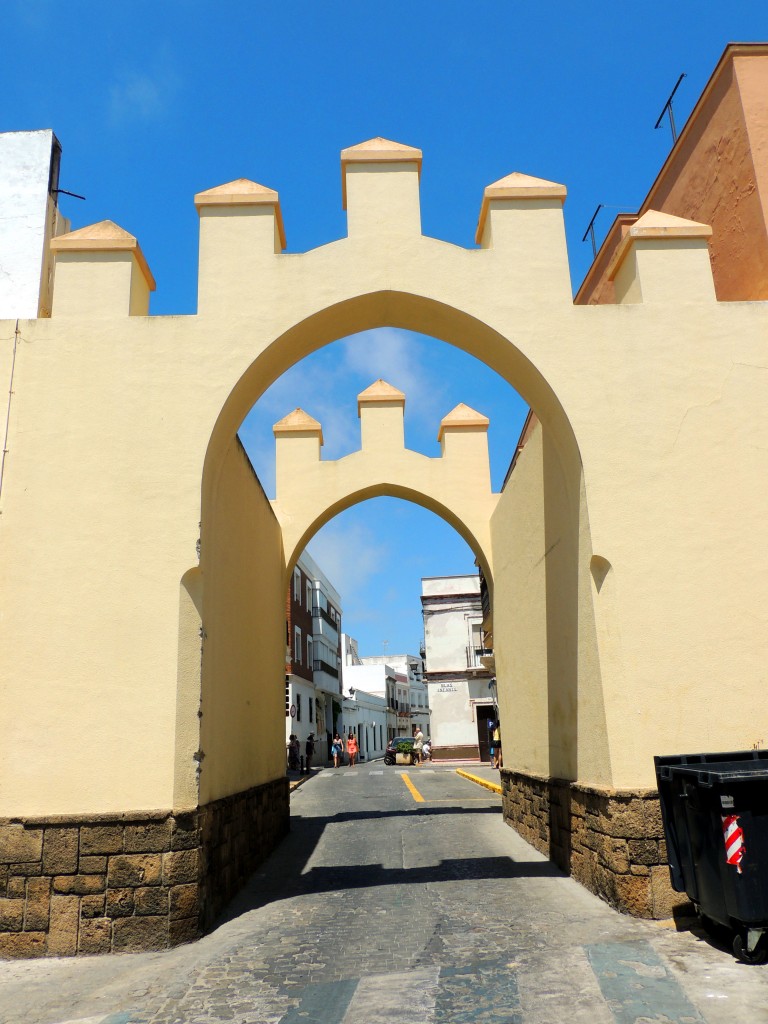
401	895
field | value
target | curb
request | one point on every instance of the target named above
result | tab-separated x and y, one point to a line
493	786
295	783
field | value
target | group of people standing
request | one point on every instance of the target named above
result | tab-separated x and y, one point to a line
340	746
294	752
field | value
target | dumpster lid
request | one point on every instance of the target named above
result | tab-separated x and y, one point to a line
710	758
724	771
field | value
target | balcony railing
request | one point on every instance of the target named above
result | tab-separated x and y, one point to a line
323	613
474	654
318	665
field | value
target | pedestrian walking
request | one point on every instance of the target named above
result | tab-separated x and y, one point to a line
418	745
497	745
337	750
309	750
352	748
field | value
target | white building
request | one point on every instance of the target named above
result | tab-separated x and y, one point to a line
461	689
366	715
313	697
397	678
29	219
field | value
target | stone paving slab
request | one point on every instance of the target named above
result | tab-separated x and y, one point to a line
636	984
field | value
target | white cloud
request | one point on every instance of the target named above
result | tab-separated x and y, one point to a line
315	386
398	357
351	556
36	16
143	95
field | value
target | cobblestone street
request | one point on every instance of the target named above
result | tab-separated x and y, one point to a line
402	894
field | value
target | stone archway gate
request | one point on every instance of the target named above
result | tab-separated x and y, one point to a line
144	570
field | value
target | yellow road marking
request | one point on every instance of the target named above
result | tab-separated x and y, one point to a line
493	786
464	800
414	792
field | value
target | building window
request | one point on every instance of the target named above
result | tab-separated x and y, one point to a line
298	707
297	645
287	699
309	654
297	586
309	596
310	710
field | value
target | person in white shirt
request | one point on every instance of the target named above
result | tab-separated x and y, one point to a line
418	744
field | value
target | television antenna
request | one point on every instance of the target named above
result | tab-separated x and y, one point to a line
667	109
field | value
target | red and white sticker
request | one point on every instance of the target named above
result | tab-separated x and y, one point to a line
734	841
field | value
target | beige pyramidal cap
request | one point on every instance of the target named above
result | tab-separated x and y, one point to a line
379	391
462	416
655	224
380	151
298	421
517	186
104	236
243	192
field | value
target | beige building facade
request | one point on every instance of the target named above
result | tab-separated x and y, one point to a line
142	718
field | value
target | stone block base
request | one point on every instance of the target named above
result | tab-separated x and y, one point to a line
612	841
130	882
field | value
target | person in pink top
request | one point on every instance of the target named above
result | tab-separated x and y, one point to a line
352	748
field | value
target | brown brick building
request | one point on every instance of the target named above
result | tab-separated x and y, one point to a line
716	174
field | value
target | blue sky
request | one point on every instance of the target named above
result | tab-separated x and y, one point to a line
156	100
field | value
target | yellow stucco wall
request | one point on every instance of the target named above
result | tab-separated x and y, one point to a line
547	662
243	703
655	414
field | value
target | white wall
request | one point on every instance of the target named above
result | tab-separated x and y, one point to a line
366	716
371	678
452	724
441	586
301	688
25	164
451	606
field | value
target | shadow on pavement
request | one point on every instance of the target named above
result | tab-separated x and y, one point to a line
283	874
411	811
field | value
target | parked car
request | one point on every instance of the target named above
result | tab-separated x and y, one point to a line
400	751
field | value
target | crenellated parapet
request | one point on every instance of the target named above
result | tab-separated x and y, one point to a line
380	188
241	229
663	258
100	271
456	485
521	222
520	234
